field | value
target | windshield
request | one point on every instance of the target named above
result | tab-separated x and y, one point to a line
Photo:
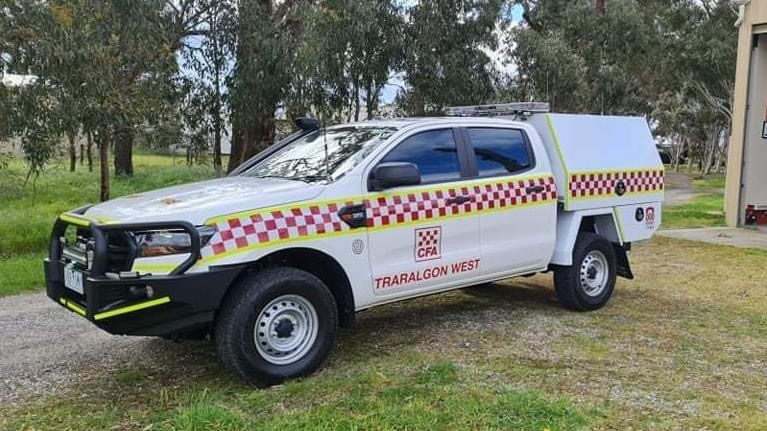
323	155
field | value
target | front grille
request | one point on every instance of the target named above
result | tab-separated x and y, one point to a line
79	247
120	252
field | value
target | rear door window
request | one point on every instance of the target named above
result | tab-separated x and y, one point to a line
500	151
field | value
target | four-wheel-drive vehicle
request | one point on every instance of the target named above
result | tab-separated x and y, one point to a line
332	221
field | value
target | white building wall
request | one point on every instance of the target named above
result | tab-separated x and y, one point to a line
755	152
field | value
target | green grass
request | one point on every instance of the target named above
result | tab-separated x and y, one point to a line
705	210
30	209
385	395
708	182
701	211
679	347
21	273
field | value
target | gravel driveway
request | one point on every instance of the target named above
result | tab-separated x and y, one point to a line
679	189
45	349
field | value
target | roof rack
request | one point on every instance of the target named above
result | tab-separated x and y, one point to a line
516	109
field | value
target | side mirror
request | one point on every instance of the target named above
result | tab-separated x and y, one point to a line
307	124
394	174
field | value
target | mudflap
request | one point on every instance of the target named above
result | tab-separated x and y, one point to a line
622	260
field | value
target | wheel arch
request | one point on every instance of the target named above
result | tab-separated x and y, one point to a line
571	223
319	264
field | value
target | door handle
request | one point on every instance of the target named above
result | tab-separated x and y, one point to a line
458	200
535	189
354	215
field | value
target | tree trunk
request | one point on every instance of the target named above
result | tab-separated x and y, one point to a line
72	151
249	139
217	124
356	95
89	136
678	150
123	140
721	154
82	153
710	151
600	7
372	100
217	146
419	105
103	144
241	140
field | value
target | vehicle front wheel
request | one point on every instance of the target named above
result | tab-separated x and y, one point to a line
276	324
590	281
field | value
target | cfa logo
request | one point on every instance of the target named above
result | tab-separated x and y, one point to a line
428	243
649	215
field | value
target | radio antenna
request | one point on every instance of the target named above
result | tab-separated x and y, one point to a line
325	144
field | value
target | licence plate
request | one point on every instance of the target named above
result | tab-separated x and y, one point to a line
73	279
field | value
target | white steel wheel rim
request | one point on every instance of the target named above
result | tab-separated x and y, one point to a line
594	273
286	329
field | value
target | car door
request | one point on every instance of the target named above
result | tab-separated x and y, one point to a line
518	195
424	237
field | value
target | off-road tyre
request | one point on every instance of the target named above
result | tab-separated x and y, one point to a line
572	290
243	315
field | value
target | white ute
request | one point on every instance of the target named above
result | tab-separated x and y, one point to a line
328	222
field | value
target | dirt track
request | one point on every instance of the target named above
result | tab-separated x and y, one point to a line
45	349
679	189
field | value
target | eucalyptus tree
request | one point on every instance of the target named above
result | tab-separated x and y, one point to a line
609	44
671	61
547	69
352	48
102	66
268	36
207	50
445	61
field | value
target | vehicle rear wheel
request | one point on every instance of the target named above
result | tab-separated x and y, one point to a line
590	281
276	324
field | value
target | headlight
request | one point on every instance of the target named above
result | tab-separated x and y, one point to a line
165	242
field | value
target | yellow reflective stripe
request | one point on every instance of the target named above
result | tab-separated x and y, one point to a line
617	215
612	196
132	308
101	218
75	219
558	146
660	169
450	217
270	244
158	267
72	306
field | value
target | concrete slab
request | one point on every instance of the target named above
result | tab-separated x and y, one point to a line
737	237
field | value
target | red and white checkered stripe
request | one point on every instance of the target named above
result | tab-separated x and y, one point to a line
397	209
600	184
277	225
258	228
